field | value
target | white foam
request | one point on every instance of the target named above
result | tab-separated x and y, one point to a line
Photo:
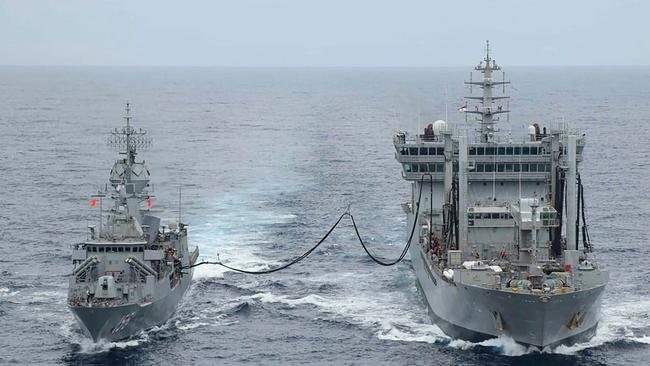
622	320
235	234
70	331
188	326
401	322
389	312
414	332
6	292
503	345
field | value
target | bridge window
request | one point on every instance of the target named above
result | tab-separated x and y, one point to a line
508	167
524	167
430	151
489	151
517	150
424	151
489	168
500	168
525	150
533	167
472	150
120	249
501	151
440	151
509	151
480	151
533	150
101	249
413	150
480	168
440	168
516	167
407	168
424	168
403	151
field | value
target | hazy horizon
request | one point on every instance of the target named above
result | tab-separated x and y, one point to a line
335	33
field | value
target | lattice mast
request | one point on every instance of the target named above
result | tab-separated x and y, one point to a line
487	111
128	140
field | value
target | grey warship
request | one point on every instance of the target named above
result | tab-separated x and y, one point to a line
497	225
128	275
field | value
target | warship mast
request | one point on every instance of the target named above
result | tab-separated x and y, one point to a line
487	112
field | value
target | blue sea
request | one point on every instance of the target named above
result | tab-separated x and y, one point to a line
267	160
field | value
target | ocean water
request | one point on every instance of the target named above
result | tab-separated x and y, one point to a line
267	160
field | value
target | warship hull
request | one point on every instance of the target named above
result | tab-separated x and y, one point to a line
470	313
113	323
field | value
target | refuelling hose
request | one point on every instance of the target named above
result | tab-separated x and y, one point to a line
346	213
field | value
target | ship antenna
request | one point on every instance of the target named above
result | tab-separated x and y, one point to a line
486	112
179	204
519	174
127	118
446	105
128	140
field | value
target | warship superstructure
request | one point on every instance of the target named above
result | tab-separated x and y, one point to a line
129	274
499	243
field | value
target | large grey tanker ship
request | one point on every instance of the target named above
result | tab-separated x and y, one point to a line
499	241
128	275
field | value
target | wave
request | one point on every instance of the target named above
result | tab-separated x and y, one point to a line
235	236
625	321
6	292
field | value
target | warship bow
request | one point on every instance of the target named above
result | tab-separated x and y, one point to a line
127	275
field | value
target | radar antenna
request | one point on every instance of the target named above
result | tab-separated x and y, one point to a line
127	140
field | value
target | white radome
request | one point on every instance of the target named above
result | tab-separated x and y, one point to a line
439	126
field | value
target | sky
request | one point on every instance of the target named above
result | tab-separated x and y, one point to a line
329	33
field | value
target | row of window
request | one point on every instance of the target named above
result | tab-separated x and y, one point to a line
489	216
512	167
548	219
477	151
481	167
115	249
422	151
427	168
507	150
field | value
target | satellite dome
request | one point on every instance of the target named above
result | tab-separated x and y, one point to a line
439	126
531	130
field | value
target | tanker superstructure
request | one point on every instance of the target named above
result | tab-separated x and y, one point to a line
500	246
128	275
